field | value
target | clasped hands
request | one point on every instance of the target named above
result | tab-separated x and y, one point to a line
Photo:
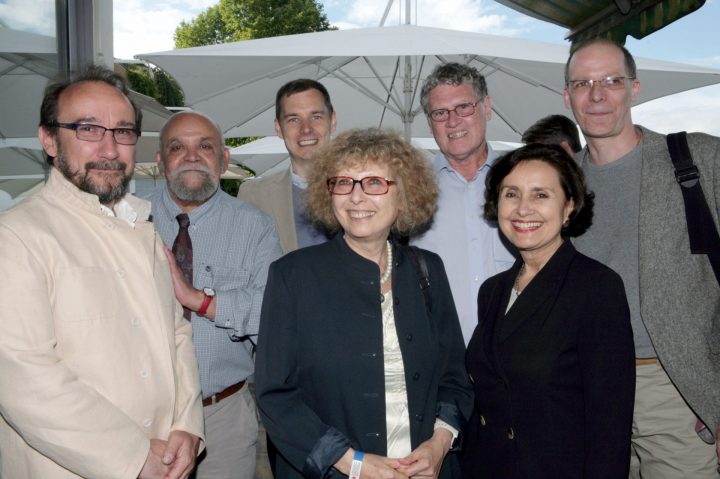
424	461
171	459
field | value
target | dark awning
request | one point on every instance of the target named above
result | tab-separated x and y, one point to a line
613	19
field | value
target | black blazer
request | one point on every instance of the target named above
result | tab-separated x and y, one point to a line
319	366
554	378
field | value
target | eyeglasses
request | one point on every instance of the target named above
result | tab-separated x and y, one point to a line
89	132
371	185
463	109
611	83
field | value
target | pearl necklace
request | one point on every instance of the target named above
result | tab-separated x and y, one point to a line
388	265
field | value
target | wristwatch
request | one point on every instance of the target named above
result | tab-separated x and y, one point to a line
209	295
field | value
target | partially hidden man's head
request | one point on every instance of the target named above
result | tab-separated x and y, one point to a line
192	157
304	117
88	128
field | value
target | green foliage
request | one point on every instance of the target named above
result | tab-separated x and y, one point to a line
169	92
236	20
141	82
155	83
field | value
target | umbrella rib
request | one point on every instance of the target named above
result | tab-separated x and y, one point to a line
347	79
513	73
267	106
275	73
391	93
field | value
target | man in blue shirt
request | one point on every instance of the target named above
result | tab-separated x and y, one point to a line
456	102
232	246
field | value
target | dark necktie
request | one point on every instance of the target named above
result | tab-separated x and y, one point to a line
182	249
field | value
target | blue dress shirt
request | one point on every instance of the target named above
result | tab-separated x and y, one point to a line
469	246
233	246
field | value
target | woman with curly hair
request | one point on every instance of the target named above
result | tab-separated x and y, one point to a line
552	358
359	370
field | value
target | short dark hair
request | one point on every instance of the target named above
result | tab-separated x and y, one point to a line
627	56
452	74
298	86
571	176
91	73
552	130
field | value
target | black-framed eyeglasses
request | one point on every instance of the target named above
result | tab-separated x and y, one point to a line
610	83
371	185
463	109
90	132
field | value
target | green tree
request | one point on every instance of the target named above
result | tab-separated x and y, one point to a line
236	20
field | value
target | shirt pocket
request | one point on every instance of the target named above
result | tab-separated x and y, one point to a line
223	278
86	293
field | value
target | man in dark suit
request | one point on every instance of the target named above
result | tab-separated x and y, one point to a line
640	230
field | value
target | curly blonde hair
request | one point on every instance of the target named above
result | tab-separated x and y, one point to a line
416	187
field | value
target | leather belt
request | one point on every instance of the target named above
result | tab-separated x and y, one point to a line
645	361
216	398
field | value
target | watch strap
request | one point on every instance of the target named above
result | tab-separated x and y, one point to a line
205	305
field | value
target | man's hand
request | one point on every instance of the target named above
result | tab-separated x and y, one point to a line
180	453
427	458
185	293
154	467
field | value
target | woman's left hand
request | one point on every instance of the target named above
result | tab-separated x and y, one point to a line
427	458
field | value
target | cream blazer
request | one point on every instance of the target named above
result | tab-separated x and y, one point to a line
273	195
95	356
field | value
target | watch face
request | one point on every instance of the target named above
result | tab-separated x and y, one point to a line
209	291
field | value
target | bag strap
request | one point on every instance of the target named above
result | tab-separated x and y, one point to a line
701	227
418	260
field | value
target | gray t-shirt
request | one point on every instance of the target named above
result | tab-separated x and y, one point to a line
613	238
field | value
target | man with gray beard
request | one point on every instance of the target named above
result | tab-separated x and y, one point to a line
221	250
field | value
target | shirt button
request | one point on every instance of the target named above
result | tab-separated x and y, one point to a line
419	417
416	376
135	322
408	337
109	226
120	273
147	422
144	373
476	278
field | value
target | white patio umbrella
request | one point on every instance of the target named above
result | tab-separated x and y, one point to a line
374	76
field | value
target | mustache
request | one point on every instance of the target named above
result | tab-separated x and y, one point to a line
200	168
113	165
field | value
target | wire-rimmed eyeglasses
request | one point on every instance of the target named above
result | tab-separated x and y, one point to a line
611	83
90	132
463	109
371	185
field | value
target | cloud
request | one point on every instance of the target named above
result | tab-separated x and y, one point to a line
28	15
694	110
477	16
146	26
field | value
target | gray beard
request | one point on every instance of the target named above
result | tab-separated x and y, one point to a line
200	194
107	193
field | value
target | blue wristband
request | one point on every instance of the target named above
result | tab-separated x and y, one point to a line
356	465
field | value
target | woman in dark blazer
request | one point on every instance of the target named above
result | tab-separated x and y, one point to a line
358	373
552	357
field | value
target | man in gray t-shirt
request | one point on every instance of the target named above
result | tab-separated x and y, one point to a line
639	229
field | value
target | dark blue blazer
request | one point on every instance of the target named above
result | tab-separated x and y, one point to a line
319	366
554	378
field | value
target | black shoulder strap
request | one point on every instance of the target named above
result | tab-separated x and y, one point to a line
701	227
418	260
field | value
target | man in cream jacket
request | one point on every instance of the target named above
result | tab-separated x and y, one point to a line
98	377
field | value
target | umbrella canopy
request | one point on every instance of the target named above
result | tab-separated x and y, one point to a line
374	76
